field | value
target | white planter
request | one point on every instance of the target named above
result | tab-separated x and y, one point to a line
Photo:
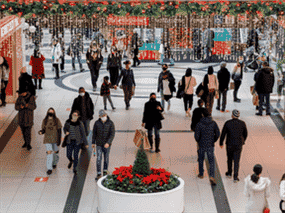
113	201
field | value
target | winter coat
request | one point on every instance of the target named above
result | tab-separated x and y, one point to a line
103	132
76	46
196	117
152	115
79	134
26	115
51	131
223	79
170	78
94	62
25	82
257	194
236	133
265	81
77	105
207	132
184	84
37	67
282	190
56	53
114	61
128	77
206	84
105	89
235	76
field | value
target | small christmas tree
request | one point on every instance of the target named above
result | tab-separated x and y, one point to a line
141	164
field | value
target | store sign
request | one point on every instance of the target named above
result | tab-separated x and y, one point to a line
132	20
10	26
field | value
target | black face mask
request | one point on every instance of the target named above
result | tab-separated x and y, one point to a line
50	114
152	99
164	68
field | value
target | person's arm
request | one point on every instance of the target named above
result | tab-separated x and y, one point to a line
282	190
94	134
159	104
267	189
197	133
118	81
133	78
74	107
223	135
144	114
91	107
43	58
246	192
217	132
83	134
194	82
158	84
112	133
234	72
65	129
108	62
245	133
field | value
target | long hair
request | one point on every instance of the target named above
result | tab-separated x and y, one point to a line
257	169
5	63
283	178
55	119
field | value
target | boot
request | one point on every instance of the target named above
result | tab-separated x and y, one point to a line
40	84
157	142
36	83
150	139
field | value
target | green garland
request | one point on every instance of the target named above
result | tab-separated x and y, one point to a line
150	9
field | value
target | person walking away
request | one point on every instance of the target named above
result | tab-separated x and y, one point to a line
37	63
128	83
282	193
161	51
236	132
152	120
224	80
51	129
114	64
105	93
211	85
135	46
166	85
97	63
206	134
76	50
62	45
84	104
4	79
188	82
91	59
75	130
26	105
237	78
103	136
256	190
264	84
25	82
56	54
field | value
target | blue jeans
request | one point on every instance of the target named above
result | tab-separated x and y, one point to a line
161	58
162	99
100	150
261	102
73	148
53	158
156	132
201	157
87	127
76	54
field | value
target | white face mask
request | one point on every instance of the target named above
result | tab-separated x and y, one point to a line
104	118
82	94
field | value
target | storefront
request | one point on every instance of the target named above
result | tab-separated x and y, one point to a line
11	49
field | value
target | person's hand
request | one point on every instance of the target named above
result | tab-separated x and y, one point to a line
22	106
93	146
67	133
221	147
143	124
159	108
106	145
87	146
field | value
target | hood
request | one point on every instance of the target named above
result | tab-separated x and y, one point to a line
106	120
260	185
86	95
206	120
267	70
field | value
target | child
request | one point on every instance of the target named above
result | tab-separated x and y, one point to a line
105	92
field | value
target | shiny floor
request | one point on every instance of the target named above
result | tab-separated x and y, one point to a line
19	168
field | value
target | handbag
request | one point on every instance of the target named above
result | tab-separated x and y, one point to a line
183	92
232	85
141	137
200	90
64	143
255	99
266	210
68	52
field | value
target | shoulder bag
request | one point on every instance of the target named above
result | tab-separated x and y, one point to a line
183	92
64	143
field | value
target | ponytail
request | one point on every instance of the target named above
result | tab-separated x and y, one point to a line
257	169
254	178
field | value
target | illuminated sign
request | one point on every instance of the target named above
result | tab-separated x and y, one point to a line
10	26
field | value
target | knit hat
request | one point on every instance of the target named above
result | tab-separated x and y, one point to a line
102	113
236	113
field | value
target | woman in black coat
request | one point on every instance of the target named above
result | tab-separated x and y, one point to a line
152	119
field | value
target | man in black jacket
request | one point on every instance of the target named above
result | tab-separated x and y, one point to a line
103	136
264	83
152	120
135	47
25	82
224	80
236	133
83	103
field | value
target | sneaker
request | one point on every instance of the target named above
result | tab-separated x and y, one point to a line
127	108
236	180
40	88
200	176
218	108
24	146
258	114
228	175
105	108
105	173
237	100
82	70
98	177
186	114
213	181
29	147
157	150
70	164
113	108
222	111
62	71
49	172
54	166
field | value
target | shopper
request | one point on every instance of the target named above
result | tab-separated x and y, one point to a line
237	78
91	57
74	128
62	45
152	120
188	82
264	85
76	50
84	104
256	190
103	136
4	79
197	114
210	85
51	129
26	105
224	80
114	64
25	82
105	92
166	85
206	134
282	193
281	78
236	132
135	47
37	63
56	55
128	83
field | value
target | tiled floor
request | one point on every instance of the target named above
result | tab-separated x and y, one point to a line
19	168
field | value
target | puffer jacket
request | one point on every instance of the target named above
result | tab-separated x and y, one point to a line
103	132
114	60
223	79
207	132
80	132
265	81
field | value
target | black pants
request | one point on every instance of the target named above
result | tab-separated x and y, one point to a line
3	92
188	101
36	83
237	85
94	74
128	90
62	63
56	67
114	73
135	59
224	100
27	131
233	154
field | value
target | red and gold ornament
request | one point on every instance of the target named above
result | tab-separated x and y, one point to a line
10	8
162	8
98	8
104	9
171	3
20	14
34	15
3	6
119	5
127	14
238	4
143	11
45	7
176	6
83	16
249	5
44	1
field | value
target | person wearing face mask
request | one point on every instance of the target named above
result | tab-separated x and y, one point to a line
56	55
91	57
25	81
114	64
26	105
51	129
4	77
103	136
166	85
37	68
152	120
237	78
75	130
84	104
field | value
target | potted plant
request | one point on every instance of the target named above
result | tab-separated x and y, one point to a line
140	188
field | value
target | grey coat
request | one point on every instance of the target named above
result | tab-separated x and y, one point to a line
80	134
